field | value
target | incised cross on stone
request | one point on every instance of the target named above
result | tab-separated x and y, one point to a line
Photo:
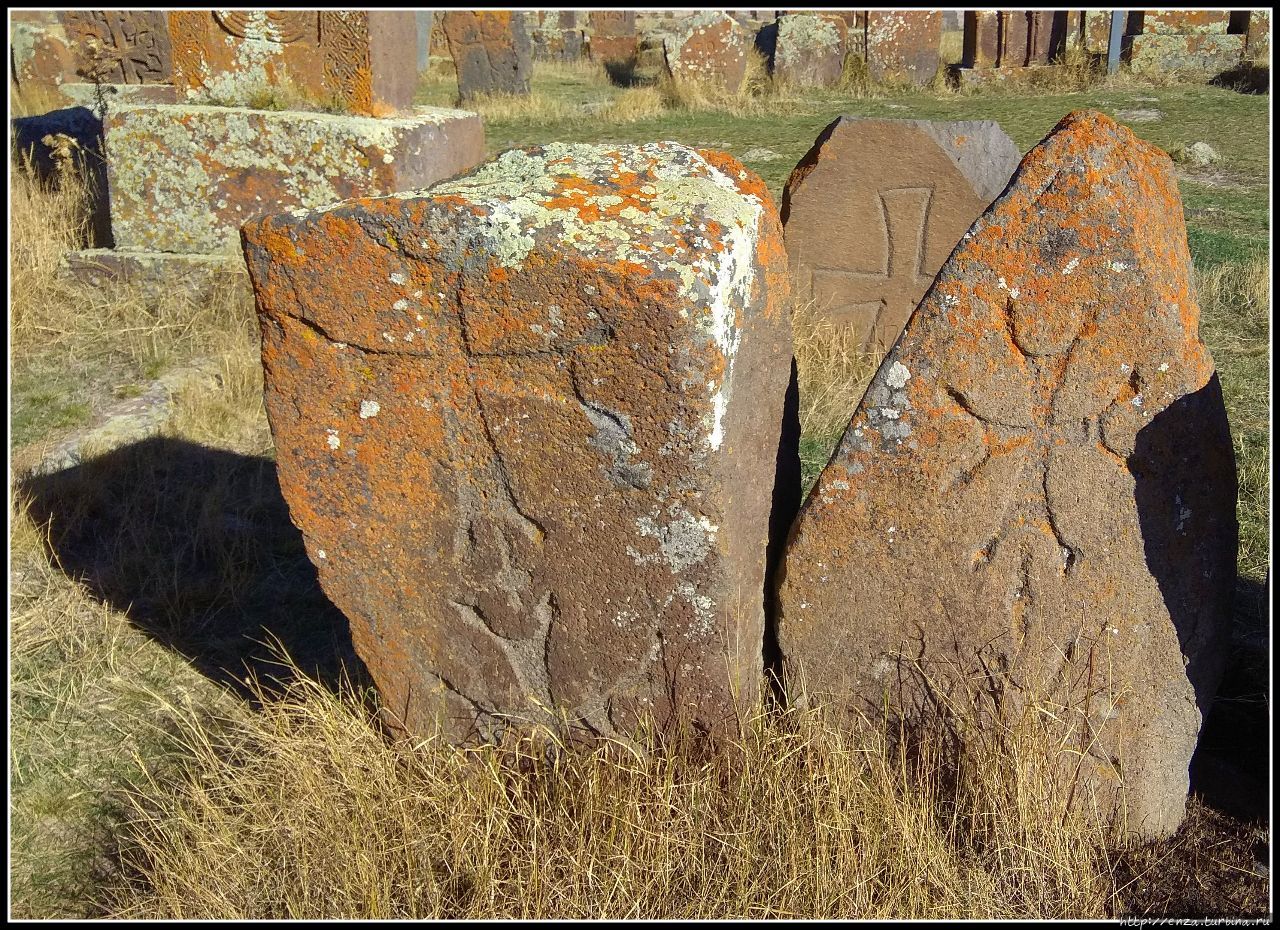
1034	442
879	303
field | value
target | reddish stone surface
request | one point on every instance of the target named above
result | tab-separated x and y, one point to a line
981	39
1033	508
1258	36
876	206
903	45
613	35
529	423
492	51
120	46
809	50
364	60
710	46
239	163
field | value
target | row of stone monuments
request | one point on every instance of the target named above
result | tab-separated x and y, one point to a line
538	426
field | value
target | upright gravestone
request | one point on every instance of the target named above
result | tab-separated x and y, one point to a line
613	35
491	49
903	45
708	46
809	50
1031	515
530	423
1169	41
363	61
876	206
559	36
424	20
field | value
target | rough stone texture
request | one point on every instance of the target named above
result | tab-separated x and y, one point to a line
1016	38
903	45
1033	507
90	95
529	422
551	44
492	51
613	35
1258	37
1205	53
876	206
40	53
184	178
1097	31
1183	22
708	46
361	60
809	50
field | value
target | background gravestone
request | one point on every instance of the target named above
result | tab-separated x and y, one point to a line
1031	515
710	46
530	423
613	35
492	51
876	206
903	45
809	50
364	61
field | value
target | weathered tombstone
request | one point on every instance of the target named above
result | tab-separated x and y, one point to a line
120	46
238	163
1258	36
613	35
876	206
903	45
559	36
1033	508
491	50
40	53
708	46
809	50
363	61
529	422
1168	41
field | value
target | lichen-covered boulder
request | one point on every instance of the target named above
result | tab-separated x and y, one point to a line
492	51
1032	511
709	46
809	50
530	422
185	178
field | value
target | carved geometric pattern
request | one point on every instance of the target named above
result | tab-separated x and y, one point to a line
120	46
282	26
344	43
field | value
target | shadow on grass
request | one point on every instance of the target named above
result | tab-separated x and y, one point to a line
1248	78
194	545
625	72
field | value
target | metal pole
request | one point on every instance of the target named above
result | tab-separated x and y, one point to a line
1118	18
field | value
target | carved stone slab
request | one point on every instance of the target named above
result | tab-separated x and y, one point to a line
491	49
1031	516
530	423
876	206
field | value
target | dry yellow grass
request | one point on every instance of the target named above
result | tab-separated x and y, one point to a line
304	811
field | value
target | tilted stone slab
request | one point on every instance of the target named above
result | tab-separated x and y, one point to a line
708	46
184	178
492	51
876	206
529	423
809	50
1033	508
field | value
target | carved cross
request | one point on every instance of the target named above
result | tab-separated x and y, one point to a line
880	302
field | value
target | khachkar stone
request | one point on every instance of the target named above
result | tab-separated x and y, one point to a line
120	46
361	61
491	50
876	206
529	422
1171	41
559	35
809	50
613	35
708	46
1011	39
1033	508
903	45
184	178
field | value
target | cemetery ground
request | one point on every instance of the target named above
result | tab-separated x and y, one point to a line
168	762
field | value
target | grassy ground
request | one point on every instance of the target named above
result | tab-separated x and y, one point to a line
165	764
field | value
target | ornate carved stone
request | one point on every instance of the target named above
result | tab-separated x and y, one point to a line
120	46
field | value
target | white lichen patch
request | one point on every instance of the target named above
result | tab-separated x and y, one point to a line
898	375
369	408
332	439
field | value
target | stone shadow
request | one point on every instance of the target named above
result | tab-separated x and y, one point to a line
77	131
194	545
1185	490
